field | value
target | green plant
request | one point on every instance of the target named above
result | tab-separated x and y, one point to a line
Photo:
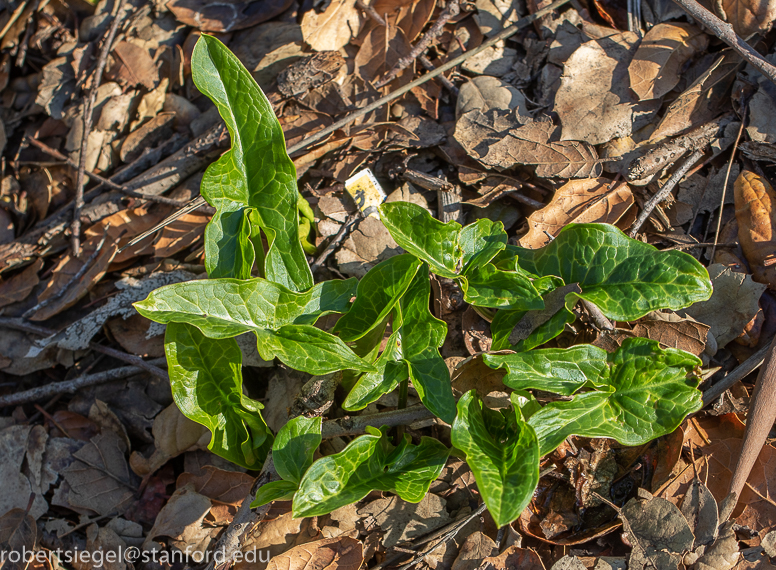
633	395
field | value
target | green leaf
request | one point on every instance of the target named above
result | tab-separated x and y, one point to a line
649	395
370	386
502	452
229	251
487	286
309	349
294	447
481	242
552	369
413	228
625	278
421	336
206	381
274	491
378	291
255	174
369	463
223	308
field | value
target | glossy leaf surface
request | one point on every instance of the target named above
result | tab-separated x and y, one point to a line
413	228
646	394
206	381
255	174
481	242
487	286
369	463
502	452
626	278
370	386
294	447
224	308
378	292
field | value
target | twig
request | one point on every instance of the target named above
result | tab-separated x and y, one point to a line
336	240
700	244
445	539
724	184
725	32
73	385
74	279
739	373
425	62
452	9
75	228
13	18
371	12
665	190
131	359
109	183
762	413
598	318
358	424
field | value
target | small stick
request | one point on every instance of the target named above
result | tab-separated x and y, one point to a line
665	190
13	18
452	9
739	373
109	183
425	62
358	424
131	359
70	386
724	185
75	227
74	279
336	240
724	31
762	413
598	318
371	12
194	204
701	244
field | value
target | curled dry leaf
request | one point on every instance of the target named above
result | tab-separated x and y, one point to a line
756	215
659	60
332	28
581	201
500	142
341	553
594	101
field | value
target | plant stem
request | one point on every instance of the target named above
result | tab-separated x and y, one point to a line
403	393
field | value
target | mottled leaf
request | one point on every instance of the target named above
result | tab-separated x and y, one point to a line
480	242
413	228
649	393
206	381
256	174
390	372
502	452
369	463
487	286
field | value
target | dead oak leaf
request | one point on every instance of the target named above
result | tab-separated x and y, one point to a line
756	214
228	487
749	17
226	15
660	57
587	200
594	101
499	141
18	287
672	331
133	65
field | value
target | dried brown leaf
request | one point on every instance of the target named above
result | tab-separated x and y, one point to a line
380	51
229	487
581	201
132	335
756	215
473	373
181	520
684	334
17	534
333	28
341	553
594	101
498	141
99	478
655	69
132	66
226	15
476	547
748	17
513	557
18	287
410	15
701	101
